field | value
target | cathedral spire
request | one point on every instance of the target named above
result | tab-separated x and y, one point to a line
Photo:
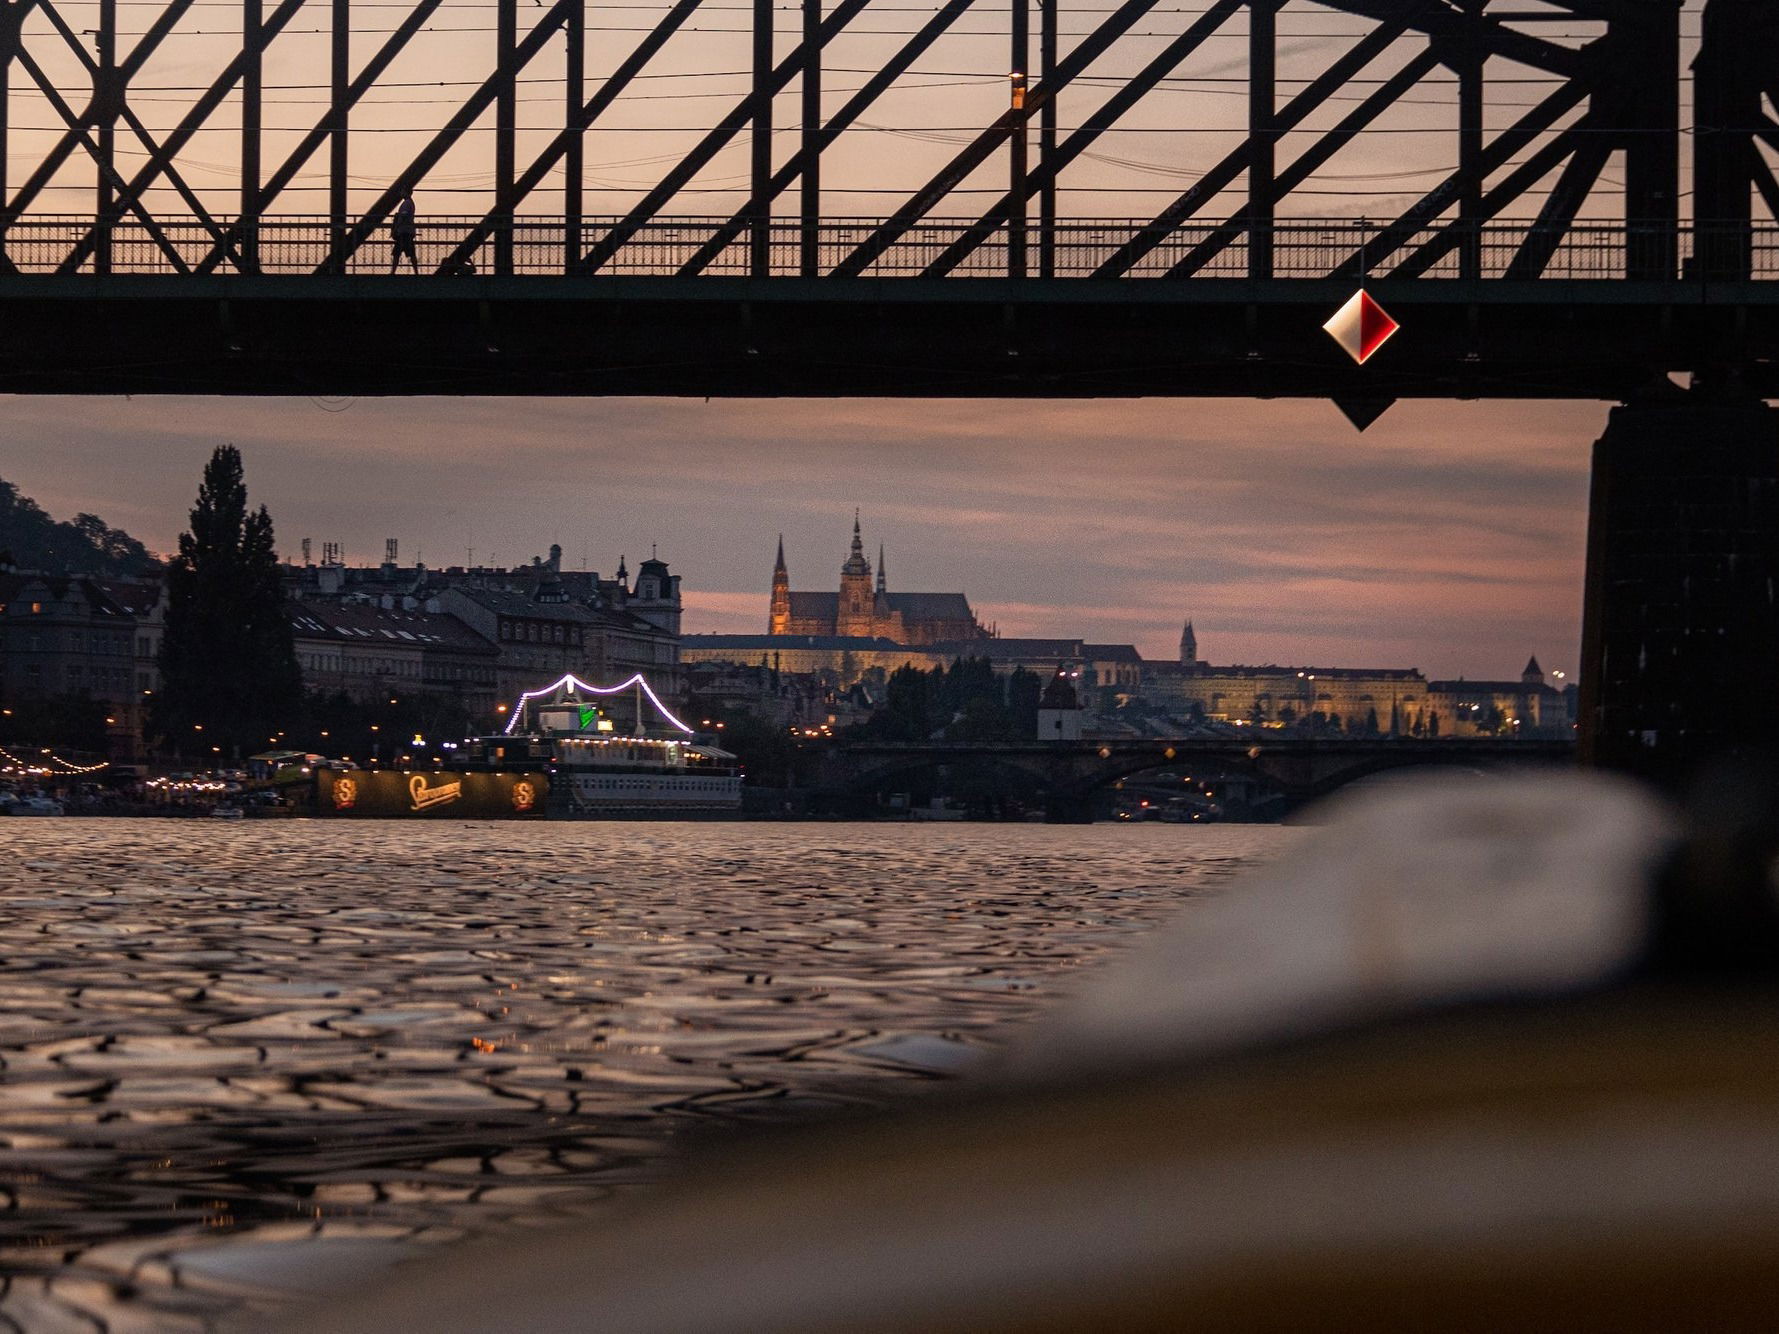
881	587
856	562
779	620
1188	646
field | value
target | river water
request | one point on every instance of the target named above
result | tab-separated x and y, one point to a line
247	1063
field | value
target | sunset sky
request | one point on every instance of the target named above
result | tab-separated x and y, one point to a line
1449	537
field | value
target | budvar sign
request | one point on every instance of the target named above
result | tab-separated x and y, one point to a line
433	794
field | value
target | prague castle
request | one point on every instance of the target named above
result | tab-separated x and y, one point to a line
863	610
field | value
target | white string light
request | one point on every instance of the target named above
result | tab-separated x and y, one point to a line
574	682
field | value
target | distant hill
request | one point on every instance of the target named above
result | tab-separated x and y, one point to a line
84	545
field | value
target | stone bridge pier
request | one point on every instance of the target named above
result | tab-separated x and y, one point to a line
1680	637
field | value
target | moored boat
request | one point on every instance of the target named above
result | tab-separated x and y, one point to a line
613	750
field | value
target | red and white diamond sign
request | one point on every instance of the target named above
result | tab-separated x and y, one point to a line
1361	327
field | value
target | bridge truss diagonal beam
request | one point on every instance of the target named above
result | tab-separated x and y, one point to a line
75	135
512	62
311	142
110	101
564	142
1098	122
1443	22
200	111
744	111
1090	49
1561	206
856	106
1310	160
107	172
1437	201
1220	176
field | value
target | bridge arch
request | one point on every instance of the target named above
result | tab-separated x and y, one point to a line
1302	776
1481	767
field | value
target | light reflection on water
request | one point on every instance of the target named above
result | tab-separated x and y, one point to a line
246	1061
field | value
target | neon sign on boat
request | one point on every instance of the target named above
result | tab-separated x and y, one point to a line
574	682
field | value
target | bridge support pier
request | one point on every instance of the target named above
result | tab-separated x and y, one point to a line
1680	632
1062	807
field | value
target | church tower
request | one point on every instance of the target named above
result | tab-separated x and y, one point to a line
780	622
856	612
1188	647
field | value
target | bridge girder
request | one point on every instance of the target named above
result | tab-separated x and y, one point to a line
824	338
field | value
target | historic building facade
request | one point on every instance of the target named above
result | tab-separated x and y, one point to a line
538	619
1530	706
82	635
366	651
1390	700
861	609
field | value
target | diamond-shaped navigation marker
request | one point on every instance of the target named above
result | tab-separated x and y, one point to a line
1361	327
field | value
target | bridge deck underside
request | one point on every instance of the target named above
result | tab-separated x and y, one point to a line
786	337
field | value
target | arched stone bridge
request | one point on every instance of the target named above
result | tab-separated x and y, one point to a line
1066	773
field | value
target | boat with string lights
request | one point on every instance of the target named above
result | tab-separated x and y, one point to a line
612	750
571	750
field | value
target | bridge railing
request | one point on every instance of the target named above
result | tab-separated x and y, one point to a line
541	246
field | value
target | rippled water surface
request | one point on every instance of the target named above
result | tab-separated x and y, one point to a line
247	1063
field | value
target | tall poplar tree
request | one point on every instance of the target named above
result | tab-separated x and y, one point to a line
229	674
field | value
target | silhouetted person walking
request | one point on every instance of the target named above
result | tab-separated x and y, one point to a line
401	235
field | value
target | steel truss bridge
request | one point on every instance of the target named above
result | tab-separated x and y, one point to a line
1575	226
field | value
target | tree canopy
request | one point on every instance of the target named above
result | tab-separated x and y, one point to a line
229	674
84	545
963	702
